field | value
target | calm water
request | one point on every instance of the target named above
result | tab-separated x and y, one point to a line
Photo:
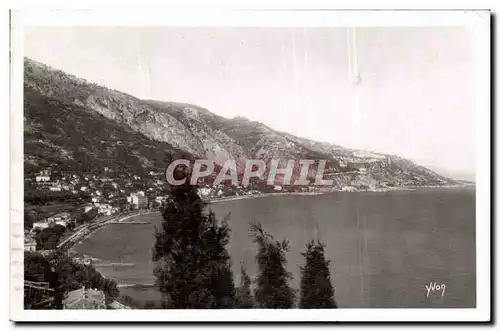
384	247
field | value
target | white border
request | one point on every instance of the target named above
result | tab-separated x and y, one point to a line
204	16
276	18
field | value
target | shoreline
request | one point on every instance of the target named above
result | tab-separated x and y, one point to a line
99	226
130	216
377	190
263	195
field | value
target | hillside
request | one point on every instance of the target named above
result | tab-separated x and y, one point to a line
76	124
70	137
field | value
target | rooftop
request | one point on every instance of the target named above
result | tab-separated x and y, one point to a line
84	299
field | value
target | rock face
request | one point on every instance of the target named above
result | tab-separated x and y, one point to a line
108	127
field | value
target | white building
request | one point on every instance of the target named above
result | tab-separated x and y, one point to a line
204	191
41	225
348	189
139	199
87	208
61	219
85	299
55	188
62	222
105	209
42	178
29	245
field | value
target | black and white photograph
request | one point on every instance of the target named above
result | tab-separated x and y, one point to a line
254	167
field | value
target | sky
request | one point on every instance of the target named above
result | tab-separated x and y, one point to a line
414	97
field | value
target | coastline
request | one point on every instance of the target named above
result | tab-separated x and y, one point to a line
91	229
376	190
262	195
124	218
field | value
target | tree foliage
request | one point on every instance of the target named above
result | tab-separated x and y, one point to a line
82	217
194	267
316	287
63	275
244	298
273	290
38	269
45	197
48	238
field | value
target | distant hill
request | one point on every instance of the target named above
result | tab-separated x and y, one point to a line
457	175
76	124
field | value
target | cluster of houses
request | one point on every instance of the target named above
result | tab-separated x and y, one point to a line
209	192
105	209
107	192
44	180
89	183
61	219
137	200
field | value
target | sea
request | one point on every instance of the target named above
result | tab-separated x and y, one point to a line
400	249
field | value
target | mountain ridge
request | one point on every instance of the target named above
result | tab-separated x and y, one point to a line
176	128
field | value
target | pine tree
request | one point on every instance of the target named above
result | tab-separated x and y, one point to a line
273	290
194	267
215	239
244	298
316	286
